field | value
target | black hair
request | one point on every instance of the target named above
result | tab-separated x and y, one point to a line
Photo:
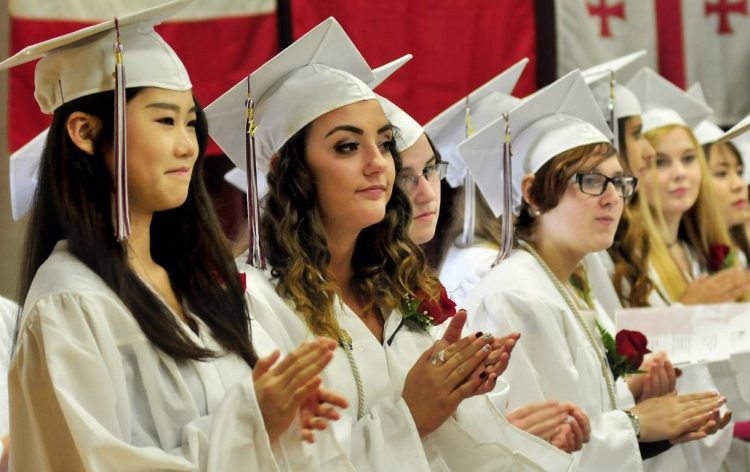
73	201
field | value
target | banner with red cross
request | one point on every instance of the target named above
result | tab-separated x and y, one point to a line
706	41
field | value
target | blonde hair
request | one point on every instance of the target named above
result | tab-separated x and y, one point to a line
701	227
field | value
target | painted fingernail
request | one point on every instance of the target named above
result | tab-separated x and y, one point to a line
483	375
486	348
489	336
479	334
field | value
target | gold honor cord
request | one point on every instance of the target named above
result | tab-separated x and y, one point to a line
606	371
346	343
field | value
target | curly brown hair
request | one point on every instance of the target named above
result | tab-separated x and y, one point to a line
387	266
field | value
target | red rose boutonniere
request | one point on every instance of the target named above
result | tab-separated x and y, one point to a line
425	312
720	256
243	280
625	352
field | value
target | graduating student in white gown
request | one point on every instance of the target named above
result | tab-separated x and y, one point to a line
563	217
136	353
8	318
422	170
335	231
640	240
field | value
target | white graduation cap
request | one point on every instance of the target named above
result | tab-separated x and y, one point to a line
238	179
320	72
386	70
93	60
562	116
24	170
484	104
408	128
706	131
664	103
82	62
620	102
737	130
738	136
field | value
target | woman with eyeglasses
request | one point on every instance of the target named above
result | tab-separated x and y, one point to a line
637	245
569	188
562	424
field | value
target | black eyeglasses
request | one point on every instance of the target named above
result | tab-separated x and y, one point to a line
431	173
595	183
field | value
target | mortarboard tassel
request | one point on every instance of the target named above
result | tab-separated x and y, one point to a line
470	191
611	109
255	256
122	211
507	218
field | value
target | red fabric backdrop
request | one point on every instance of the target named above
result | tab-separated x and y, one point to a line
457	45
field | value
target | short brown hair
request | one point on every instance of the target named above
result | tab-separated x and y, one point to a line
551	180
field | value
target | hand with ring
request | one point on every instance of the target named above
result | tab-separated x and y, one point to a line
502	347
433	390
439	358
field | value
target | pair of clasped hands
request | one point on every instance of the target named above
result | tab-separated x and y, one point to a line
433	388
665	415
724	286
456	368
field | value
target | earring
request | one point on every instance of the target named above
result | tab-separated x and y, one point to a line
535	212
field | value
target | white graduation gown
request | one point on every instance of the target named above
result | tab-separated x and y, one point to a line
89	392
8	315
464	268
706	454
554	359
386	438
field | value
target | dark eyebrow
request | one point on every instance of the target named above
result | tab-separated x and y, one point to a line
168	106
384	128
430	162
352	129
355	130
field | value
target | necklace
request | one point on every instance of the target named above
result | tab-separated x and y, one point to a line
565	294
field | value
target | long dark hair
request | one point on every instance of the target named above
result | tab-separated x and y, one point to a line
387	265
73	202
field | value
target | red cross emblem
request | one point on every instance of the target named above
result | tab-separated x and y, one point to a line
604	11
723	8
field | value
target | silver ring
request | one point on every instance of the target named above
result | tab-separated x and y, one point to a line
441	356
433	360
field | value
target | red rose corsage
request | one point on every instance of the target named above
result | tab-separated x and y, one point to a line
424	312
720	256
625	352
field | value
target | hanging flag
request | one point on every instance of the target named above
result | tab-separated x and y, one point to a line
457	46
706	41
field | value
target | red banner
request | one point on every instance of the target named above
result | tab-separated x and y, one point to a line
217	52
457	45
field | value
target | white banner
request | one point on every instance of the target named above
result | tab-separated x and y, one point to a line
706	41
692	334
